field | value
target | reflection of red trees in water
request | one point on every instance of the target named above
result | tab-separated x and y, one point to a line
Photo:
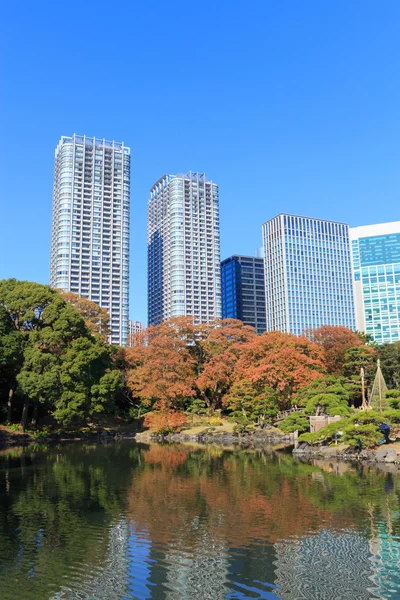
236	502
168	457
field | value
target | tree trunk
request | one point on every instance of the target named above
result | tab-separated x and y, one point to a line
35	414
24	418
10	405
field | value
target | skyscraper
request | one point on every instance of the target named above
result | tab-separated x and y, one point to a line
376	266
308	279
90	228
184	275
243	290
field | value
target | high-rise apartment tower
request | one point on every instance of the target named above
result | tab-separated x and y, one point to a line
90	228
184	275
376	265
243	290
308	279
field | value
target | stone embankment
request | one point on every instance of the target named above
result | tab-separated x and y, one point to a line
261	437
385	454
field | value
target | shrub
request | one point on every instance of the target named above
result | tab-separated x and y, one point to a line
365	417
294	422
215	422
326	434
368	435
392	415
329	404
394	398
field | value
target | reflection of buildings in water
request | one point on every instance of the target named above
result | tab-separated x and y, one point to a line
326	565
385	559
201	574
108	582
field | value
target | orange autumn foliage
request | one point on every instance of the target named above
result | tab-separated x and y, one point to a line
165	421
281	361
335	342
163	367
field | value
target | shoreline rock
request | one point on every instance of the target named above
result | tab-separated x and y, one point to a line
386	454
258	438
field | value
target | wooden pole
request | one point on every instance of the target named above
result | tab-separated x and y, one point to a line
379	385
364	403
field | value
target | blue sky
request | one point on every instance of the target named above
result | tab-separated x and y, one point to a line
290	106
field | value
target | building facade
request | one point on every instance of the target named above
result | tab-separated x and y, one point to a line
243	290
308	278
90	225
184	275
134	328
376	268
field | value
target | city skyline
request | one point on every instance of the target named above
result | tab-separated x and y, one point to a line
287	118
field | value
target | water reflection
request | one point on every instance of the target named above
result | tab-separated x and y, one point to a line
121	521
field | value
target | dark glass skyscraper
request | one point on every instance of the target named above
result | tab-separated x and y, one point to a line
243	294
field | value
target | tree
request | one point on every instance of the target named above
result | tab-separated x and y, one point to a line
89	384
335	341
165	421
256	406
281	361
63	367
38	382
163	368
97	319
11	357
389	355
221	345
357	357
294	422
327	404
325	395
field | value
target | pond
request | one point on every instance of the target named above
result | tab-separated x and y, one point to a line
127	521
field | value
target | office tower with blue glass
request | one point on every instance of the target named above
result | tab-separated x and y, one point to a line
243	290
308	278
90	229
376	267
184	272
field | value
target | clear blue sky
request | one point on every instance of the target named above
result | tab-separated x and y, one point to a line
290	106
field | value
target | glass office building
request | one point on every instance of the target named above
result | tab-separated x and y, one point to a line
243	290
376	265
308	279
184	273
90	227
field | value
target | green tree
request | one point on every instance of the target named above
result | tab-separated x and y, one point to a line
89	384
389	355
38	382
246	403
295	422
11	357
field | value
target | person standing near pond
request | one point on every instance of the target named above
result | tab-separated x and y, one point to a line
385	429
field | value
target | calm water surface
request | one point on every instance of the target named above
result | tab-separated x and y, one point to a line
121	521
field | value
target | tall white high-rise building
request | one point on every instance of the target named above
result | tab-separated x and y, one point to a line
376	271
90	228
184	276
